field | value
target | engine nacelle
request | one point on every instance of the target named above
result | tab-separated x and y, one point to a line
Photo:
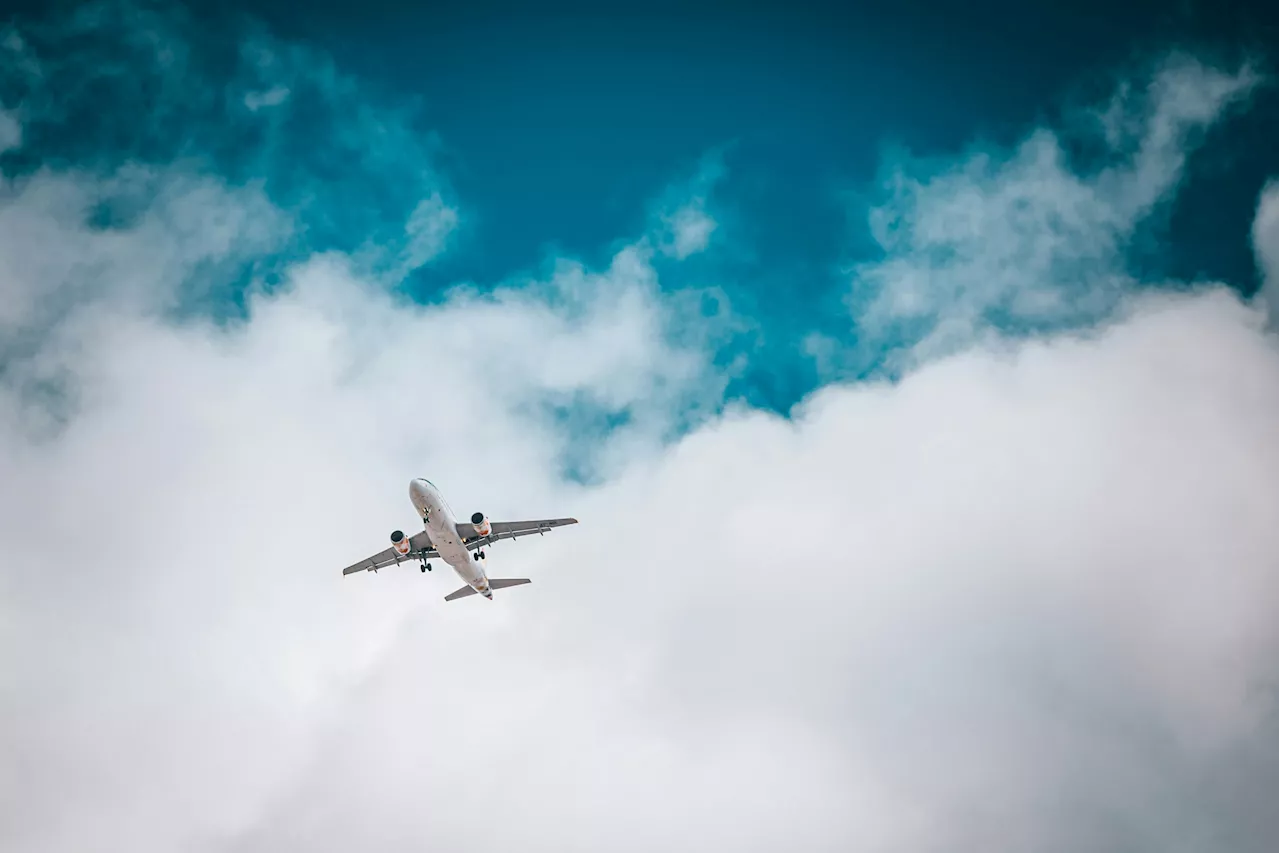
400	542
480	522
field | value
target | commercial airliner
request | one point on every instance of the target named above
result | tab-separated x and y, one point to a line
460	544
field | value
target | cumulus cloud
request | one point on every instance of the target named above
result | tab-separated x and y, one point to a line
1024	596
870	675
1021	599
325	332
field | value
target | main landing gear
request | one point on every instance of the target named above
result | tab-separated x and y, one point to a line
426	567
478	555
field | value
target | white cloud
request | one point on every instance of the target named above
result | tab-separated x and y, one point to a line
230	665
684	226
1025	237
141	235
921	615
428	230
690	230
1266	247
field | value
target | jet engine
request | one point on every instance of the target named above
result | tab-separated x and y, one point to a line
480	522
400	542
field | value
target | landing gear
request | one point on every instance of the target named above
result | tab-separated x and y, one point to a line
477	555
426	567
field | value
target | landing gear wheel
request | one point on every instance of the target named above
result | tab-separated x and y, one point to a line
482	556
476	555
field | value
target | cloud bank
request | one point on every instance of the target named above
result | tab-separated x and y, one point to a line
1022	598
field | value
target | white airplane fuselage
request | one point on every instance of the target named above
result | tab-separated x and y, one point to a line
441	526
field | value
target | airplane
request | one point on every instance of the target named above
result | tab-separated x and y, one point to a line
460	544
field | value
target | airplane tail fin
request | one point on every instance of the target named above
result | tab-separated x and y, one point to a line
494	583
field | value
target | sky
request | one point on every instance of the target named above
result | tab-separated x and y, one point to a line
913	376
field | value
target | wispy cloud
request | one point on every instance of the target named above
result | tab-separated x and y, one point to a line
1035	238
690	229
273	97
684	225
1266	235
428	230
10	131
354	171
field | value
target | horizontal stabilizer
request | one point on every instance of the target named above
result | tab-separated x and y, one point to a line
503	583
495	583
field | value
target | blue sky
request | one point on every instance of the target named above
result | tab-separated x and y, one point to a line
580	107
556	133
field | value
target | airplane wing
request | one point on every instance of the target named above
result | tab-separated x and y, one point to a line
499	530
420	548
